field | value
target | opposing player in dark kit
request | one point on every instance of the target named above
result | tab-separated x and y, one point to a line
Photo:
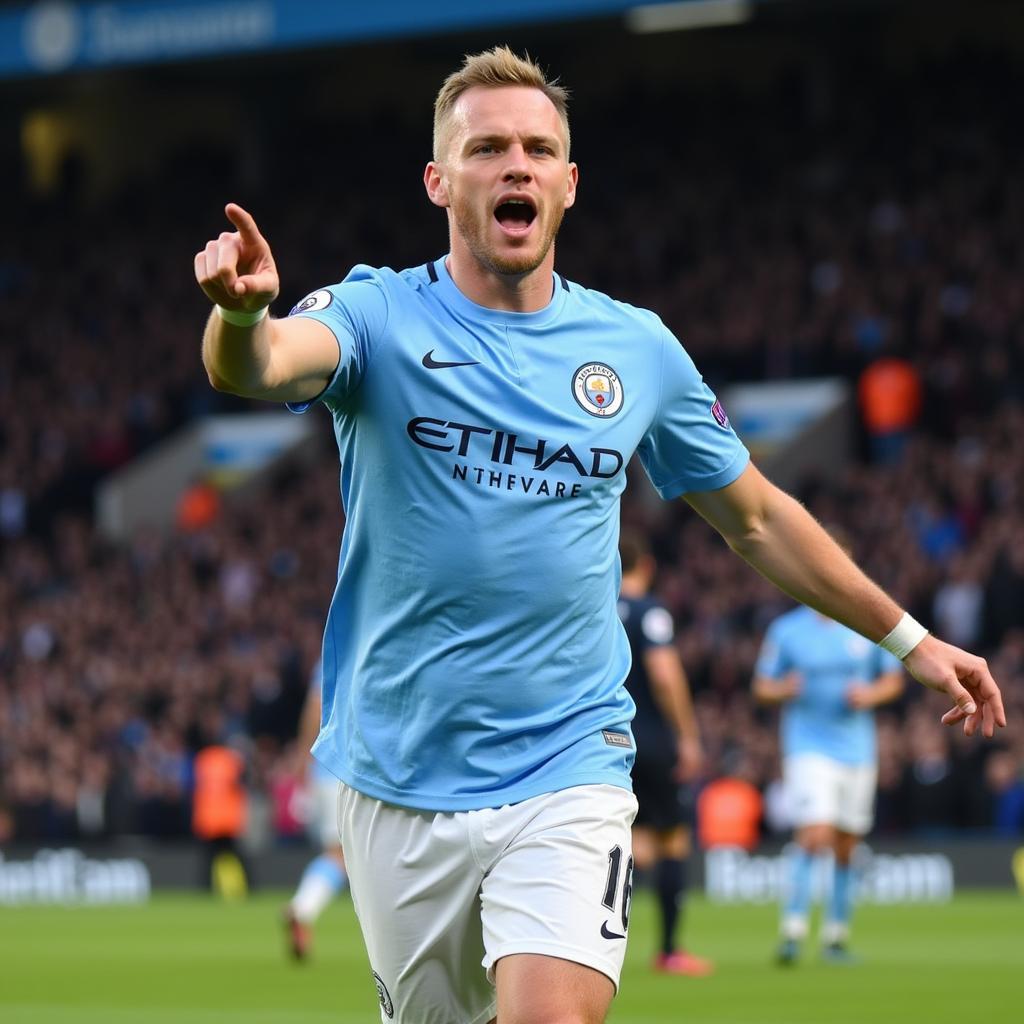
668	752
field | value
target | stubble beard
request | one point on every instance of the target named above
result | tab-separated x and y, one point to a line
473	228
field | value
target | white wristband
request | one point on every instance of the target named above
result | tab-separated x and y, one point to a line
903	637
241	317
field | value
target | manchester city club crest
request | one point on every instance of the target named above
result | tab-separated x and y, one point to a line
597	389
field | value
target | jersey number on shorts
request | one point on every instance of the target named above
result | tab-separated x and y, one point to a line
612	884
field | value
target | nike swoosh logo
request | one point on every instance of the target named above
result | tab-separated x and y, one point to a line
610	935
432	364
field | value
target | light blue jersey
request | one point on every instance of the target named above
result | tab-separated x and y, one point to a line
473	655
829	658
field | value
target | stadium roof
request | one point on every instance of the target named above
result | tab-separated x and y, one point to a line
54	36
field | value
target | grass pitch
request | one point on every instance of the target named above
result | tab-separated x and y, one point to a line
192	960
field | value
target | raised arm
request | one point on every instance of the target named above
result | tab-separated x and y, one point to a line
782	540
245	352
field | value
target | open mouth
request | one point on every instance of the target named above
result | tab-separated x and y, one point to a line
515	215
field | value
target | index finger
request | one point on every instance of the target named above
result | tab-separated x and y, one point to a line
242	220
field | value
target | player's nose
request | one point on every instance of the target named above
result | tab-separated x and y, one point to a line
517	167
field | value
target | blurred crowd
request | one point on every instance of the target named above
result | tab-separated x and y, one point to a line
780	235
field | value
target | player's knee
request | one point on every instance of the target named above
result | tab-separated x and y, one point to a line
816	838
844	847
573	1004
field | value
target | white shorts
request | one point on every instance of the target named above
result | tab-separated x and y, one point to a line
441	897
823	791
323	826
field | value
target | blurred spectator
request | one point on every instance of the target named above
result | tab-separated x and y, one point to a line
290	802
937	530
896	225
928	782
219	815
957	608
1004	593
198	506
729	811
1006	781
890	397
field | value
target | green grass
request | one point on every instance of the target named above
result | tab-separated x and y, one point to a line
191	960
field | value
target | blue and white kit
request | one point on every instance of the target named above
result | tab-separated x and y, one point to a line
829	657
473	656
829	755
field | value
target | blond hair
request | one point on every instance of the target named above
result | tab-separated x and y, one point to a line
492	69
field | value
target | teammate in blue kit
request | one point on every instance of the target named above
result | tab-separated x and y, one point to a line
828	679
474	709
324	876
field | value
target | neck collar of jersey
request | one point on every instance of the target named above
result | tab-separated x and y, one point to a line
456	299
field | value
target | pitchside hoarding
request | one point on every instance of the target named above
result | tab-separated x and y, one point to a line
127	872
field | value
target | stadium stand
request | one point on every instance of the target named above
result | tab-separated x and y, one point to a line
776	238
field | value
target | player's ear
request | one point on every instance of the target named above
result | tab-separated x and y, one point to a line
574	177
434	183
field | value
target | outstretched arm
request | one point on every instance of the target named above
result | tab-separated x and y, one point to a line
288	360
782	540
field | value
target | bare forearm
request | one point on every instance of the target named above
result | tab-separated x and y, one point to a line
671	691
238	359
677	711
777	536
787	546
772	691
687	718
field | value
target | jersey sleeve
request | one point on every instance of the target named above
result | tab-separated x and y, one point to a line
772	660
690	445
356	313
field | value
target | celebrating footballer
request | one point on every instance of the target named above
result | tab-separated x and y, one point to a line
474	707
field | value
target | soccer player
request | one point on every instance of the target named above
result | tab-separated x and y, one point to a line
324	876
668	750
485	409
828	680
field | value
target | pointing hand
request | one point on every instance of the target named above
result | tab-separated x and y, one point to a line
236	270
